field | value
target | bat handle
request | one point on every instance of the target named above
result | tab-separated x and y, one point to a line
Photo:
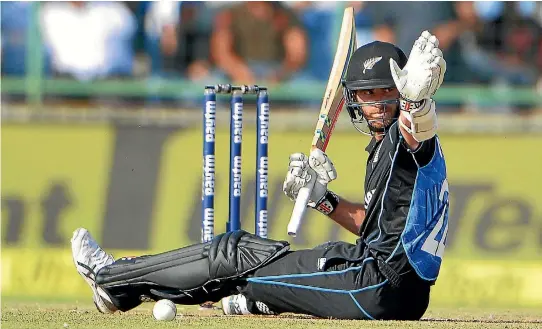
300	207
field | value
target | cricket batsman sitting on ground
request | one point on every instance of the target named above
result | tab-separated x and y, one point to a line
402	225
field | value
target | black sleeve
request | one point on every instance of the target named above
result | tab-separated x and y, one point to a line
423	154
425	151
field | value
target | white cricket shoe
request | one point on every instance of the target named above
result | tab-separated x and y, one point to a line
89	258
237	305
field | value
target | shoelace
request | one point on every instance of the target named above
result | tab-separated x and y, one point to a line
99	256
236	308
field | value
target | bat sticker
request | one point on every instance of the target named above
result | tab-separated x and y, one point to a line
321	135
325	119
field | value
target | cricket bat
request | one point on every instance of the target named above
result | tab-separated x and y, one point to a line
332	105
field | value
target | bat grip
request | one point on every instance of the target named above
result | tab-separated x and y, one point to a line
300	207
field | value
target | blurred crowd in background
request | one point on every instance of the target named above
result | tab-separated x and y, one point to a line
484	42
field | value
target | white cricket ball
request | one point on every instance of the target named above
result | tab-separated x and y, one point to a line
164	310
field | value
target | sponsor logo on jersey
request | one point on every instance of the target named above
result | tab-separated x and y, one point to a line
321	263
369	197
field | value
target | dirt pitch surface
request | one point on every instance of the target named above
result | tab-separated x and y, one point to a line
49	315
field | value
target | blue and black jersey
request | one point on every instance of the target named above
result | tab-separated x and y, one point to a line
406	202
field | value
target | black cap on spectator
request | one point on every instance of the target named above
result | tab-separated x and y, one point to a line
369	66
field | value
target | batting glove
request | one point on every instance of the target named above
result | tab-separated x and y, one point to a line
424	71
302	169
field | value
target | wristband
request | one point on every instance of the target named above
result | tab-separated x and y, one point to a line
406	105
328	203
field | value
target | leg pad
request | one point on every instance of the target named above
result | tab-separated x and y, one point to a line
191	275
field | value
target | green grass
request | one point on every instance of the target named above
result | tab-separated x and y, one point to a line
60	315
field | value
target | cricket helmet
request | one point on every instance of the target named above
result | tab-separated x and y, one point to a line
369	68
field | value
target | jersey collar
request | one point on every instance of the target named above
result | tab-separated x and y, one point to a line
371	146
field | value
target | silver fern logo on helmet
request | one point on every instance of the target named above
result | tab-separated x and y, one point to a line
370	63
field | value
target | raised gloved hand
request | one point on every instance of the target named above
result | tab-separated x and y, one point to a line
417	82
424	71
303	169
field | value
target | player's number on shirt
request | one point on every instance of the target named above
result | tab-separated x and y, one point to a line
431	245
